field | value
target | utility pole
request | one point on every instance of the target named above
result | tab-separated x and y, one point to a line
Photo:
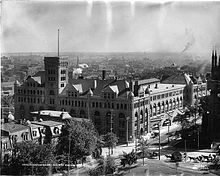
198	138
127	118
185	150
111	128
69	156
169	130
159	139
58	44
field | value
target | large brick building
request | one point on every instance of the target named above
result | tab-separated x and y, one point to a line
110	103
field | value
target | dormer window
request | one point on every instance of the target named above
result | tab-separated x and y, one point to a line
24	136
34	133
5	146
56	130
14	138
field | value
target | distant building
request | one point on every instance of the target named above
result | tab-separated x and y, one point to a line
195	87
7	88
109	103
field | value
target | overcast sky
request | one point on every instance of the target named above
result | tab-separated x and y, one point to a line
106	27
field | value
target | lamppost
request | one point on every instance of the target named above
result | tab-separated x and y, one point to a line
111	129
127	118
169	124
159	138
69	154
185	149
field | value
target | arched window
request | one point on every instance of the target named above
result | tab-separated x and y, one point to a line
31	108
154	109
122	115
97	113
122	120
73	113
82	114
22	107
63	109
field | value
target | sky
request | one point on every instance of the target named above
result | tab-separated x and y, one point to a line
109	26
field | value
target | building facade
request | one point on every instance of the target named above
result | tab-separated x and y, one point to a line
127	107
213	109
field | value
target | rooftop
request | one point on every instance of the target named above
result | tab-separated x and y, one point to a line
148	81
13	127
53	113
165	87
47	123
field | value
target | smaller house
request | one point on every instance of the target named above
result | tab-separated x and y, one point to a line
16	132
50	131
36	133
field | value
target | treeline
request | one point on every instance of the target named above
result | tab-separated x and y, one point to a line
78	139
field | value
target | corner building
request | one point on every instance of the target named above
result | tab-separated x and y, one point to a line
110	103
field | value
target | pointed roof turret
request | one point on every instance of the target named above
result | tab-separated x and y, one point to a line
17	83
90	93
215	61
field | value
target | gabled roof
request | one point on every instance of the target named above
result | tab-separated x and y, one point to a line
49	123
86	84
78	87
34	79
148	81
179	78
39	74
39	77
52	113
111	89
13	127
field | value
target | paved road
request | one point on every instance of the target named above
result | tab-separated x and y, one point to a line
157	168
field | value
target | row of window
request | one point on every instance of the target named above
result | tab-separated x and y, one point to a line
30	84
108	95
72	94
142	103
51	79
94	104
51	71
170	94
30	100
63	78
63	71
198	89
30	92
52	101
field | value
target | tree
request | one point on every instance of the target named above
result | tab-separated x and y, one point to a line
128	158
77	140
143	147
110	140
105	166
29	158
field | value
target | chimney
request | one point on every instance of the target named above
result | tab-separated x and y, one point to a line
6	120
95	84
131	85
103	74
215	58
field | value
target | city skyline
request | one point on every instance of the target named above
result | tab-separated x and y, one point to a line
93	26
